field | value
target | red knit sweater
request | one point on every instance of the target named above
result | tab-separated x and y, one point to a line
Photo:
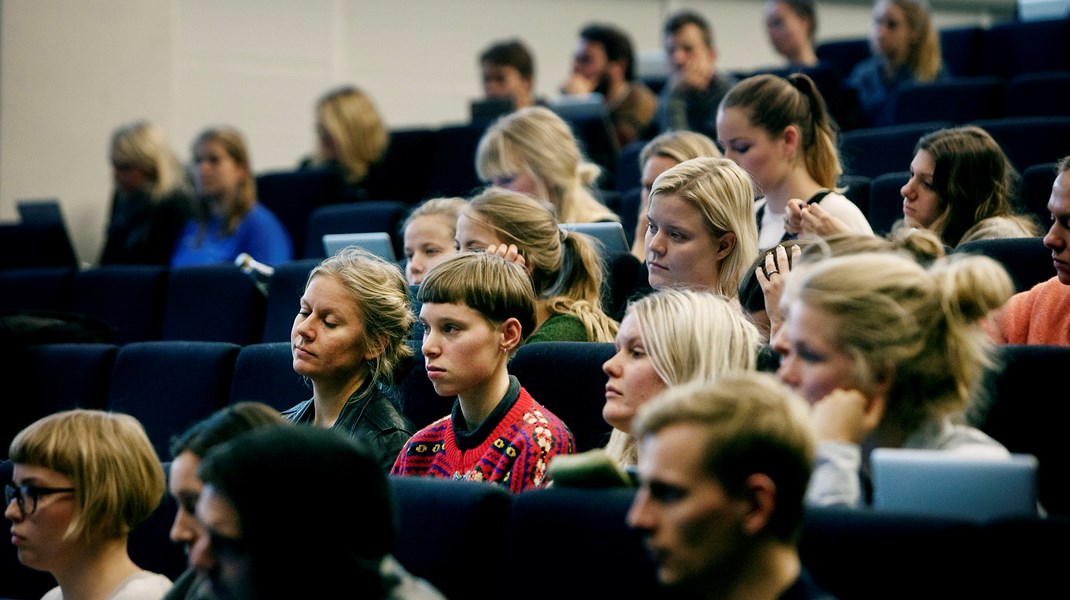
516	452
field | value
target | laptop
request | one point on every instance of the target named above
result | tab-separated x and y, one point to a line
378	243
41	214
610	235
947	484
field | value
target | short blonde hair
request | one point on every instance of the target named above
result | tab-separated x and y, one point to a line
722	191
536	140
920	327
381	294
143	146
448	208
754	424
350	118
117	477
679	145
565	267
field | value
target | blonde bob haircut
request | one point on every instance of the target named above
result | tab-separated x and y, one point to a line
488	284
446	208
381	295
676	328
350	118
924	60
723	193
142	145
233	143
679	145
117	477
565	267
914	329
752	424
537	141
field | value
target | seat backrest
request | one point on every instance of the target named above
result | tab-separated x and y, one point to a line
447	529
453	161
1027	260
856	189
354	217
885	201
171	385
405	169
215	303
131	298
878	150
567	378
284	298
628	169
1038	94
844	54
264	373
958	100
1035	190
41	288
959	47
1012	48
1030	141
293	195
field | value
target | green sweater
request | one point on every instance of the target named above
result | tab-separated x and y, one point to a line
560	328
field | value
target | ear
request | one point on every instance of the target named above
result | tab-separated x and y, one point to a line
760	497
375	348
877	398
725	245
792	139
511	333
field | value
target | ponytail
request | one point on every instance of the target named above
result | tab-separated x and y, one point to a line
578	288
819	151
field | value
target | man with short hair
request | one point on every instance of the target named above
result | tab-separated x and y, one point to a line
690	98
604	63
509	72
1041	315
723	470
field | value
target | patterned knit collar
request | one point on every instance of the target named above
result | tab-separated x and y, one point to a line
467	440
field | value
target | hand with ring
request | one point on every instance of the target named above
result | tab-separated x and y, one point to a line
771	277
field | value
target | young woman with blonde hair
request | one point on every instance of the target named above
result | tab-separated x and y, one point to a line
429	233
533	151
350	132
890	354
565	267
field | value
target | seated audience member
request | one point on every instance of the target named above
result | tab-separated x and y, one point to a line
906	50
565	267
791	25
187	452
690	98
430	236
889	354
476	309
250	549
605	64
229	219
509	72
533	151
350	134
701	232
723	470
659	155
348	338
82	480
1041	315
664	341
780	131
152	200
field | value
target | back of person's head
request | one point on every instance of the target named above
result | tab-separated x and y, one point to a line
676	327
775	103
617	45
679	145
565	267
117	478
510	53
753	425
223	425
913	329
537	141
142	145
233	143
971	175
922	245
381	294
683	18
349	119
924	59
488	284
722	191
267	474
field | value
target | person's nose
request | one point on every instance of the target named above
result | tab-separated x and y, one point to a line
611	366
430	344
184	529
656	243
640	516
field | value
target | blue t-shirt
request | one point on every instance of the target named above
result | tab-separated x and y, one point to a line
260	234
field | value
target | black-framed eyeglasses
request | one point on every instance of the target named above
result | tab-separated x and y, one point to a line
27	496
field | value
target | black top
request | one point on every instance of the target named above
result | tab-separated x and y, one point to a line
144	232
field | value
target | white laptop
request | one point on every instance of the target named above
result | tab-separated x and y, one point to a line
610	234
378	243
948	484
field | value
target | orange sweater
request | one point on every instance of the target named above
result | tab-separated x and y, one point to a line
1038	316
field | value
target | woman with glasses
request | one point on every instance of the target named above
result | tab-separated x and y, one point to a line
82	480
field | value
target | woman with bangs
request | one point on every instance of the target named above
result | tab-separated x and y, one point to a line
533	152
82	480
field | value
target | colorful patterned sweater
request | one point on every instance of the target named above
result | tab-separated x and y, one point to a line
512	447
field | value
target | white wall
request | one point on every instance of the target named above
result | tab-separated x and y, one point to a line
73	70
